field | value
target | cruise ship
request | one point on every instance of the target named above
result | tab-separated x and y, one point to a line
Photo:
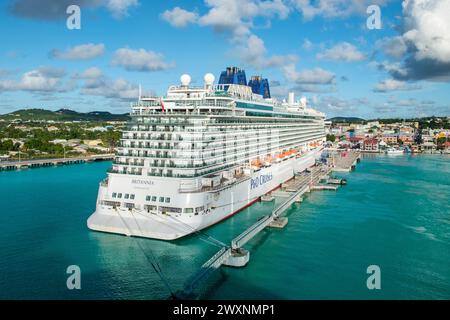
198	155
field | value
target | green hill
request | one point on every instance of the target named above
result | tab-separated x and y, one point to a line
347	120
63	115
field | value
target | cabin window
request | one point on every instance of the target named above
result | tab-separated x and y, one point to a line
127	196
132	197
188	210
114	195
161	199
167	200
154	198
119	196
148	198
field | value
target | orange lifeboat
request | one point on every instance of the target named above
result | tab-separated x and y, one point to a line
256	163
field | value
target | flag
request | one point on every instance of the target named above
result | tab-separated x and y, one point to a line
162	106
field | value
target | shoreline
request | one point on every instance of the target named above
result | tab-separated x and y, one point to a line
41	163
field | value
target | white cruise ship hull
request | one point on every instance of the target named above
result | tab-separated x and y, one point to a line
219	204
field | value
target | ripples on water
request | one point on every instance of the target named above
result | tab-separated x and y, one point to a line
393	213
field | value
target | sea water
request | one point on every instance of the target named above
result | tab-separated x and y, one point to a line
394	213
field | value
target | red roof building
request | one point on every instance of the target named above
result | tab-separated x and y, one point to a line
371	145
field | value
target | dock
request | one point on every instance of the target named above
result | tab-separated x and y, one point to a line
26	164
344	161
235	255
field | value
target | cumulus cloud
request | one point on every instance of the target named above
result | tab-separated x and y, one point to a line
108	88
237	16
412	107
309	76
253	53
337	106
120	8
425	26
310	80
80	52
179	18
5	72
56	9
43	79
393	46
140	60
90	73
395	85
333	8
343	51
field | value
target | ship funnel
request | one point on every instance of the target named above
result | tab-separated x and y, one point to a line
291	99
185	80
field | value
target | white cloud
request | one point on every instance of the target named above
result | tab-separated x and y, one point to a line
394	46
394	85
309	76
90	73
310	80
424	32
44	79
343	51
427	23
333	8
140	60
115	89
179	18
392	67
236	18
81	52
253	53
233	16
119	8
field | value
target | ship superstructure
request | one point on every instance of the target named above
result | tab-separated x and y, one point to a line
200	154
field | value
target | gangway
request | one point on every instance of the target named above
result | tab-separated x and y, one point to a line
251	232
226	255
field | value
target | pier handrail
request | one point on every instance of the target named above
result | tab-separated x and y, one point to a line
212	264
248	234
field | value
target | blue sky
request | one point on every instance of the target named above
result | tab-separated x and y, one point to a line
320	49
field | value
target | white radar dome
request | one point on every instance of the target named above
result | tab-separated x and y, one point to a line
185	80
209	79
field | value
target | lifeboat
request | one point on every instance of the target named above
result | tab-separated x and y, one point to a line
256	164
268	161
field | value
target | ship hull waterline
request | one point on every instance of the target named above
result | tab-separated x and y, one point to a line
227	203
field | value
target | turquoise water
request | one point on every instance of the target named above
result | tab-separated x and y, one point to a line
394	213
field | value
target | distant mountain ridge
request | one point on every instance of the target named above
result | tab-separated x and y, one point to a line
63	115
347	119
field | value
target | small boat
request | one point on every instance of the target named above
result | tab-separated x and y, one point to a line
394	151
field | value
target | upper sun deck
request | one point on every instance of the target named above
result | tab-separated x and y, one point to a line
215	98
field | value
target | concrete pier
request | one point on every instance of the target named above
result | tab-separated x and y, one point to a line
291	191
344	161
18	165
279	223
324	187
238	258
